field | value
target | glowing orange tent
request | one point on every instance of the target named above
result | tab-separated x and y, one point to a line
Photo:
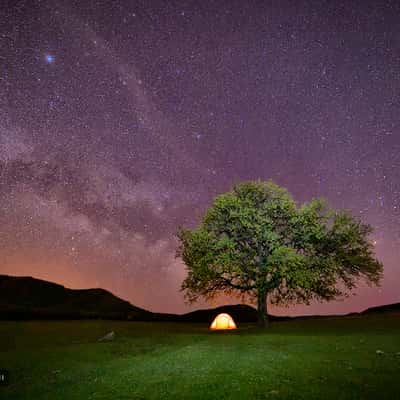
223	321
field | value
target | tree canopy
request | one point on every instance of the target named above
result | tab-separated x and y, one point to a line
257	241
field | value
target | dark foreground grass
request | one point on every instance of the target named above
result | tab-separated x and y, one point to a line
311	359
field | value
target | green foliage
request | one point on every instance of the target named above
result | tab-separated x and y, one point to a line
256	241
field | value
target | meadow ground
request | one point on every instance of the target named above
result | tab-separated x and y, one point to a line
302	359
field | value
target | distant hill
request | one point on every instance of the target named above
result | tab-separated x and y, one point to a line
26	297
384	308
239	312
31	298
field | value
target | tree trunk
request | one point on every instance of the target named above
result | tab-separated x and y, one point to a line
263	320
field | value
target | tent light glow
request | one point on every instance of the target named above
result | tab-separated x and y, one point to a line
223	321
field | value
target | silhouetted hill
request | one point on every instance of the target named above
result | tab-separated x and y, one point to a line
384	308
26	297
239	312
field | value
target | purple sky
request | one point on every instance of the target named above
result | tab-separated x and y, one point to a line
120	121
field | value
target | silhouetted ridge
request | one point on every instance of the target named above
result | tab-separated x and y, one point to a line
27	297
384	308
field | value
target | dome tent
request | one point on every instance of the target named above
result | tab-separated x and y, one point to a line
223	321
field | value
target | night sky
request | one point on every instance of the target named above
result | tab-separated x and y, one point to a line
120	121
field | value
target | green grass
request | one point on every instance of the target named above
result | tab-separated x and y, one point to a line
314	359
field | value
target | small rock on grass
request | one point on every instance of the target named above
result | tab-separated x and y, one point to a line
106	338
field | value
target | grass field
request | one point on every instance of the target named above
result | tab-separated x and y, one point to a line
309	359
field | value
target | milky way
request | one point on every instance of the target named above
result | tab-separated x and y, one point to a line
120	121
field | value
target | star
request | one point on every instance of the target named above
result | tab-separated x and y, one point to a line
49	58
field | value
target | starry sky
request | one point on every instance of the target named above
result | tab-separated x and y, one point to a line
121	120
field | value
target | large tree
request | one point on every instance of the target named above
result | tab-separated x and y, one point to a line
258	242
